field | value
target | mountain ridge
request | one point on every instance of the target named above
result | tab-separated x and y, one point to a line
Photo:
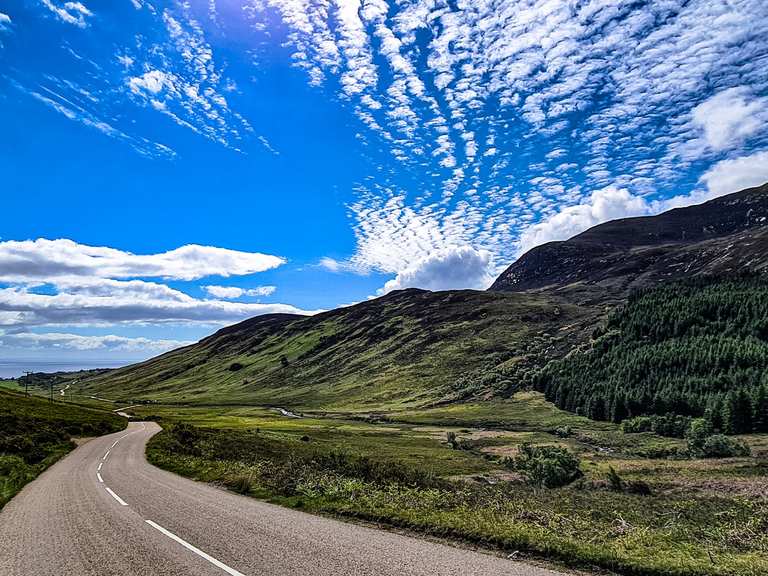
414	347
722	235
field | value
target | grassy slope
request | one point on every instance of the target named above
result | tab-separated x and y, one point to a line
34	433
409	348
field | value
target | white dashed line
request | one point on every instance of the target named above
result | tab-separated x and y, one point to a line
116	497
100	465
99	477
105	455
197	551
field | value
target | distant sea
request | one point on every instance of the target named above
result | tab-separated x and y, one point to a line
14	369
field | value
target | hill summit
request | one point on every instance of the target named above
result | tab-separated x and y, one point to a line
721	236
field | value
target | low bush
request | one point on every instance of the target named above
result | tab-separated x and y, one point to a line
669	425
721	446
547	466
702	443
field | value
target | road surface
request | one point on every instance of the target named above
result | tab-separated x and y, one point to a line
103	510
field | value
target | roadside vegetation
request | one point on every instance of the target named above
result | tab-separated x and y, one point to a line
560	486
35	433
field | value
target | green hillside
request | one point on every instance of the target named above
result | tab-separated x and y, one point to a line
34	433
409	348
698	347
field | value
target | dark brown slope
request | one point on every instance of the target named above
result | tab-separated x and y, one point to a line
724	235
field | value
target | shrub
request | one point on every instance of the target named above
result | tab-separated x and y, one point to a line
240	484
235	366
720	446
638	487
450	437
670	425
698	432
547	466
615	481
563	432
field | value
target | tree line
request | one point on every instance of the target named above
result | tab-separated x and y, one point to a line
695	348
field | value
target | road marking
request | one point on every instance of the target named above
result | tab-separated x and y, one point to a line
116	497
100	465
197	551
115	442
105	455
99	477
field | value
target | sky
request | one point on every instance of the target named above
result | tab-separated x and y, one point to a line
170	167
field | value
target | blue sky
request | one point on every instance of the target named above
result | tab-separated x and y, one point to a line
170	167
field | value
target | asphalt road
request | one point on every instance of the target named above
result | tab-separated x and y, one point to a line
103	510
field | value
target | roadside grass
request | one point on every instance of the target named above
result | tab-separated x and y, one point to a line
585	524
35	433
10	384
703	516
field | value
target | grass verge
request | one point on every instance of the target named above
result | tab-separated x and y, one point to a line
585	524
35	433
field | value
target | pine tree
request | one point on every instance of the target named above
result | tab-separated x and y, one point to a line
760	410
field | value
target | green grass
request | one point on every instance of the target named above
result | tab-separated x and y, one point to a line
680	529
408	349
35	433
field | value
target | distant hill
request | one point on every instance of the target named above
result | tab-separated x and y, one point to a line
411	347
420	348
722	236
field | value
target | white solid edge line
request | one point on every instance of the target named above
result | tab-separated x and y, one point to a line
116	497
99	477
197	551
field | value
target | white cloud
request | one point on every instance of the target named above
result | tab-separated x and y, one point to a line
4	21
75	13
730	116
42	259
469	95
737	174
153	81
605	204
78	342
725	177
448	269
232	292
113	302
63	283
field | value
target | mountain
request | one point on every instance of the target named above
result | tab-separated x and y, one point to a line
408	348
420	348
721	236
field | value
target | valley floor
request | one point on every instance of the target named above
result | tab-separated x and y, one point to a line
398	469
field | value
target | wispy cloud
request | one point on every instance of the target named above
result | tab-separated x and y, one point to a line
233	292
75	13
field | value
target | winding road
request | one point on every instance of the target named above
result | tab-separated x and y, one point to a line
104	510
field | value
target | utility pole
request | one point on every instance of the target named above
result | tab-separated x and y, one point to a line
26	383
